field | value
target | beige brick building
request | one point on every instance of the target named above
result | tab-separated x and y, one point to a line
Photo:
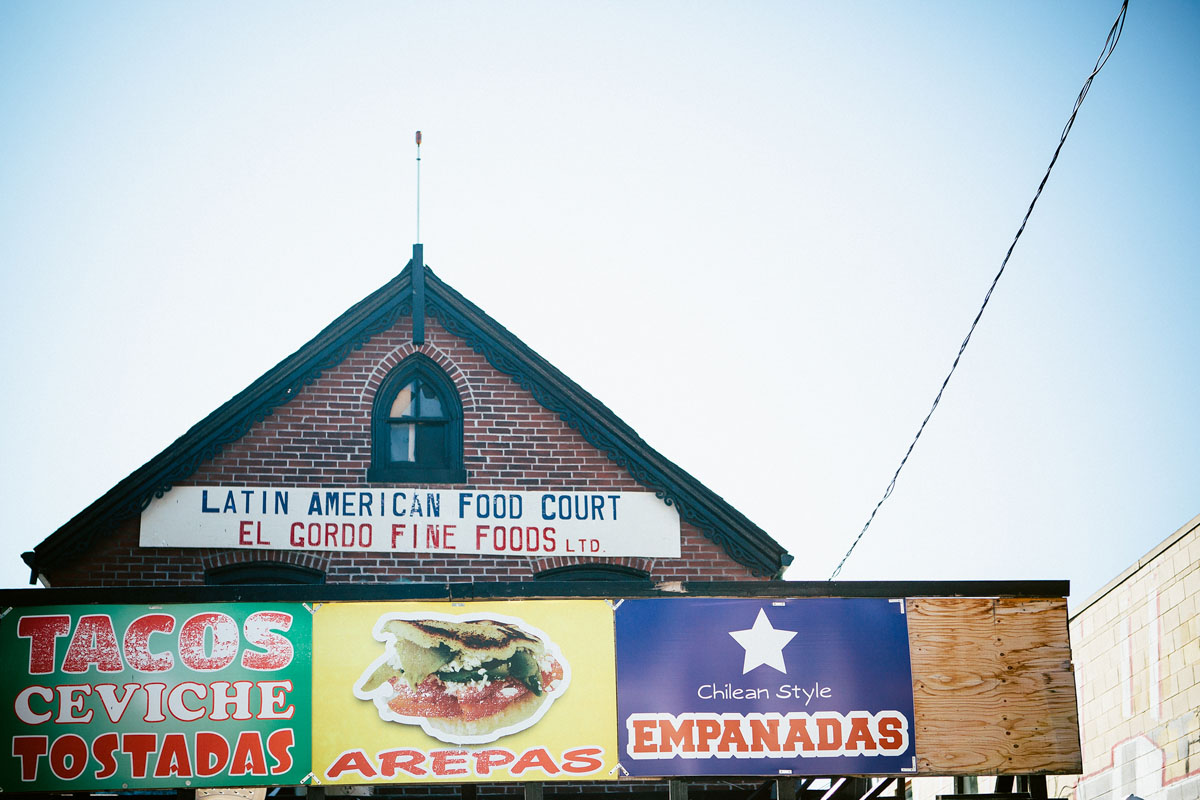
1136	646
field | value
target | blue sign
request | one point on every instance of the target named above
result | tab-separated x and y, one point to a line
817	686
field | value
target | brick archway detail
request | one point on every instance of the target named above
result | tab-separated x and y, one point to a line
436	354
537	565
224	558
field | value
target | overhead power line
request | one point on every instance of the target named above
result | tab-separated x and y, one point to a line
1110	44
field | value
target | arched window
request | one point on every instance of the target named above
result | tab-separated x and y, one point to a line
249	572
593	572
416	426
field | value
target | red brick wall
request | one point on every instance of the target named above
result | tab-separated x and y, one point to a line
323	437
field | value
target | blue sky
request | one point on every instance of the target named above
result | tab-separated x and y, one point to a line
758	232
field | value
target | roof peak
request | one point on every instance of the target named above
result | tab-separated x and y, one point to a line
738	536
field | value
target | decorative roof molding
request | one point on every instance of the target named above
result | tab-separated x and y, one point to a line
379	311
744	541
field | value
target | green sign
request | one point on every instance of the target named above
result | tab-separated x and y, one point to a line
101	697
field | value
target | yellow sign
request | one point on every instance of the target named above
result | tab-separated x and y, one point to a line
461	692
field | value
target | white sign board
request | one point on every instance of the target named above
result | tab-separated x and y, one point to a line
493	522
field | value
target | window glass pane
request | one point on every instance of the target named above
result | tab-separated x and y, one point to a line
431	404
402	406
431	444
403	443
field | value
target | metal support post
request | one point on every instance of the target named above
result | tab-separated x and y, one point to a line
877	789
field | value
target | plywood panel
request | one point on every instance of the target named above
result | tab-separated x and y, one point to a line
993	686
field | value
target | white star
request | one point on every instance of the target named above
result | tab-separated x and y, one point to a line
763	644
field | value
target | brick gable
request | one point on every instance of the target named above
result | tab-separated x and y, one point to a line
307	423
322	437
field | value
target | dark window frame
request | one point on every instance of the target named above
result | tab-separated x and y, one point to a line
262	572
593	572
450	469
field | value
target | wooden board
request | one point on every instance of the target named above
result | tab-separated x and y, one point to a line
993	687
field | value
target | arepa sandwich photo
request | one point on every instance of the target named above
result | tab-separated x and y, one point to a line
464	679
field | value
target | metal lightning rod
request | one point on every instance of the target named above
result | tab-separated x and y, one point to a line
418	187
418	266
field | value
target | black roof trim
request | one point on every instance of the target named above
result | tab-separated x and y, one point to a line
387	592
742	539
722	523
228	423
